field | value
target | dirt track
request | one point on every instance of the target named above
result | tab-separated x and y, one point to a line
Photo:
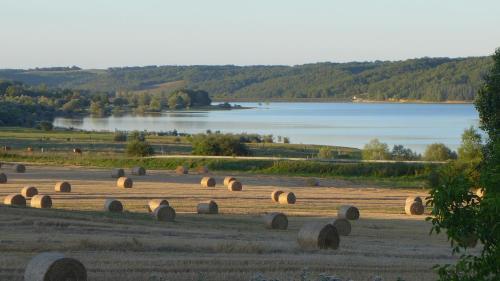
233	245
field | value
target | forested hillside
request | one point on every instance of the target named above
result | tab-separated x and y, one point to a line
427	79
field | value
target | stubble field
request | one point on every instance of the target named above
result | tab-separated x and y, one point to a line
233	245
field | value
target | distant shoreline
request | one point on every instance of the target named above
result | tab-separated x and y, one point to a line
232	100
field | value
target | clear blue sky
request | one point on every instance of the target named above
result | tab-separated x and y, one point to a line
103	33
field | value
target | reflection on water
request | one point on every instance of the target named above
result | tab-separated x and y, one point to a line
345	124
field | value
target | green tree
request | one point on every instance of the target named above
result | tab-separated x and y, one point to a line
71	106
376	150
464	216
400	153
97	108
269	139
325	152
176	102
143	99
438	152
471	149
155	104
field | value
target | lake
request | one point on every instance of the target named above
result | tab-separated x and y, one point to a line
343	124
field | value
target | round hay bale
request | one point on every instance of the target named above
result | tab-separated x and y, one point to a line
227	180
343	226
348	212
287	198
15	200
235	186
63	186
317	235
209	207
202	169
124	182
19	168
412	199
181	170
138	171
155	203
276	220
275	195
113	205
54	266
117	173
414	208
164	213
41	202
3	178
29	191
207	182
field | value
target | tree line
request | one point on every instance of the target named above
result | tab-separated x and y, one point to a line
426	79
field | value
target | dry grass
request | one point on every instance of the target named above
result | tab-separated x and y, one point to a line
233	245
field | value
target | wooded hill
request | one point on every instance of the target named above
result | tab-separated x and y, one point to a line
426	79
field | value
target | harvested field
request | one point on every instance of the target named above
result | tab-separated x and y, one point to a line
233	245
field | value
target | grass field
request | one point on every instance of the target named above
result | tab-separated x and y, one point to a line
19	139
233	245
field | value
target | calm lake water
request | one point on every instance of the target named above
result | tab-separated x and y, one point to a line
344	124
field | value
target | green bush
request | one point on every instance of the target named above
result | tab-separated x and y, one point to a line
139	148
218	144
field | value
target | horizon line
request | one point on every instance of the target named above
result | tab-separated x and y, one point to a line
241	65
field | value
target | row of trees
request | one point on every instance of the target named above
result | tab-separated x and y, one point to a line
470	150
156	102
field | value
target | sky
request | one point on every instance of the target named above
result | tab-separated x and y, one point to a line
110	33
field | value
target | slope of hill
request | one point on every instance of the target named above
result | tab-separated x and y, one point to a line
426	79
